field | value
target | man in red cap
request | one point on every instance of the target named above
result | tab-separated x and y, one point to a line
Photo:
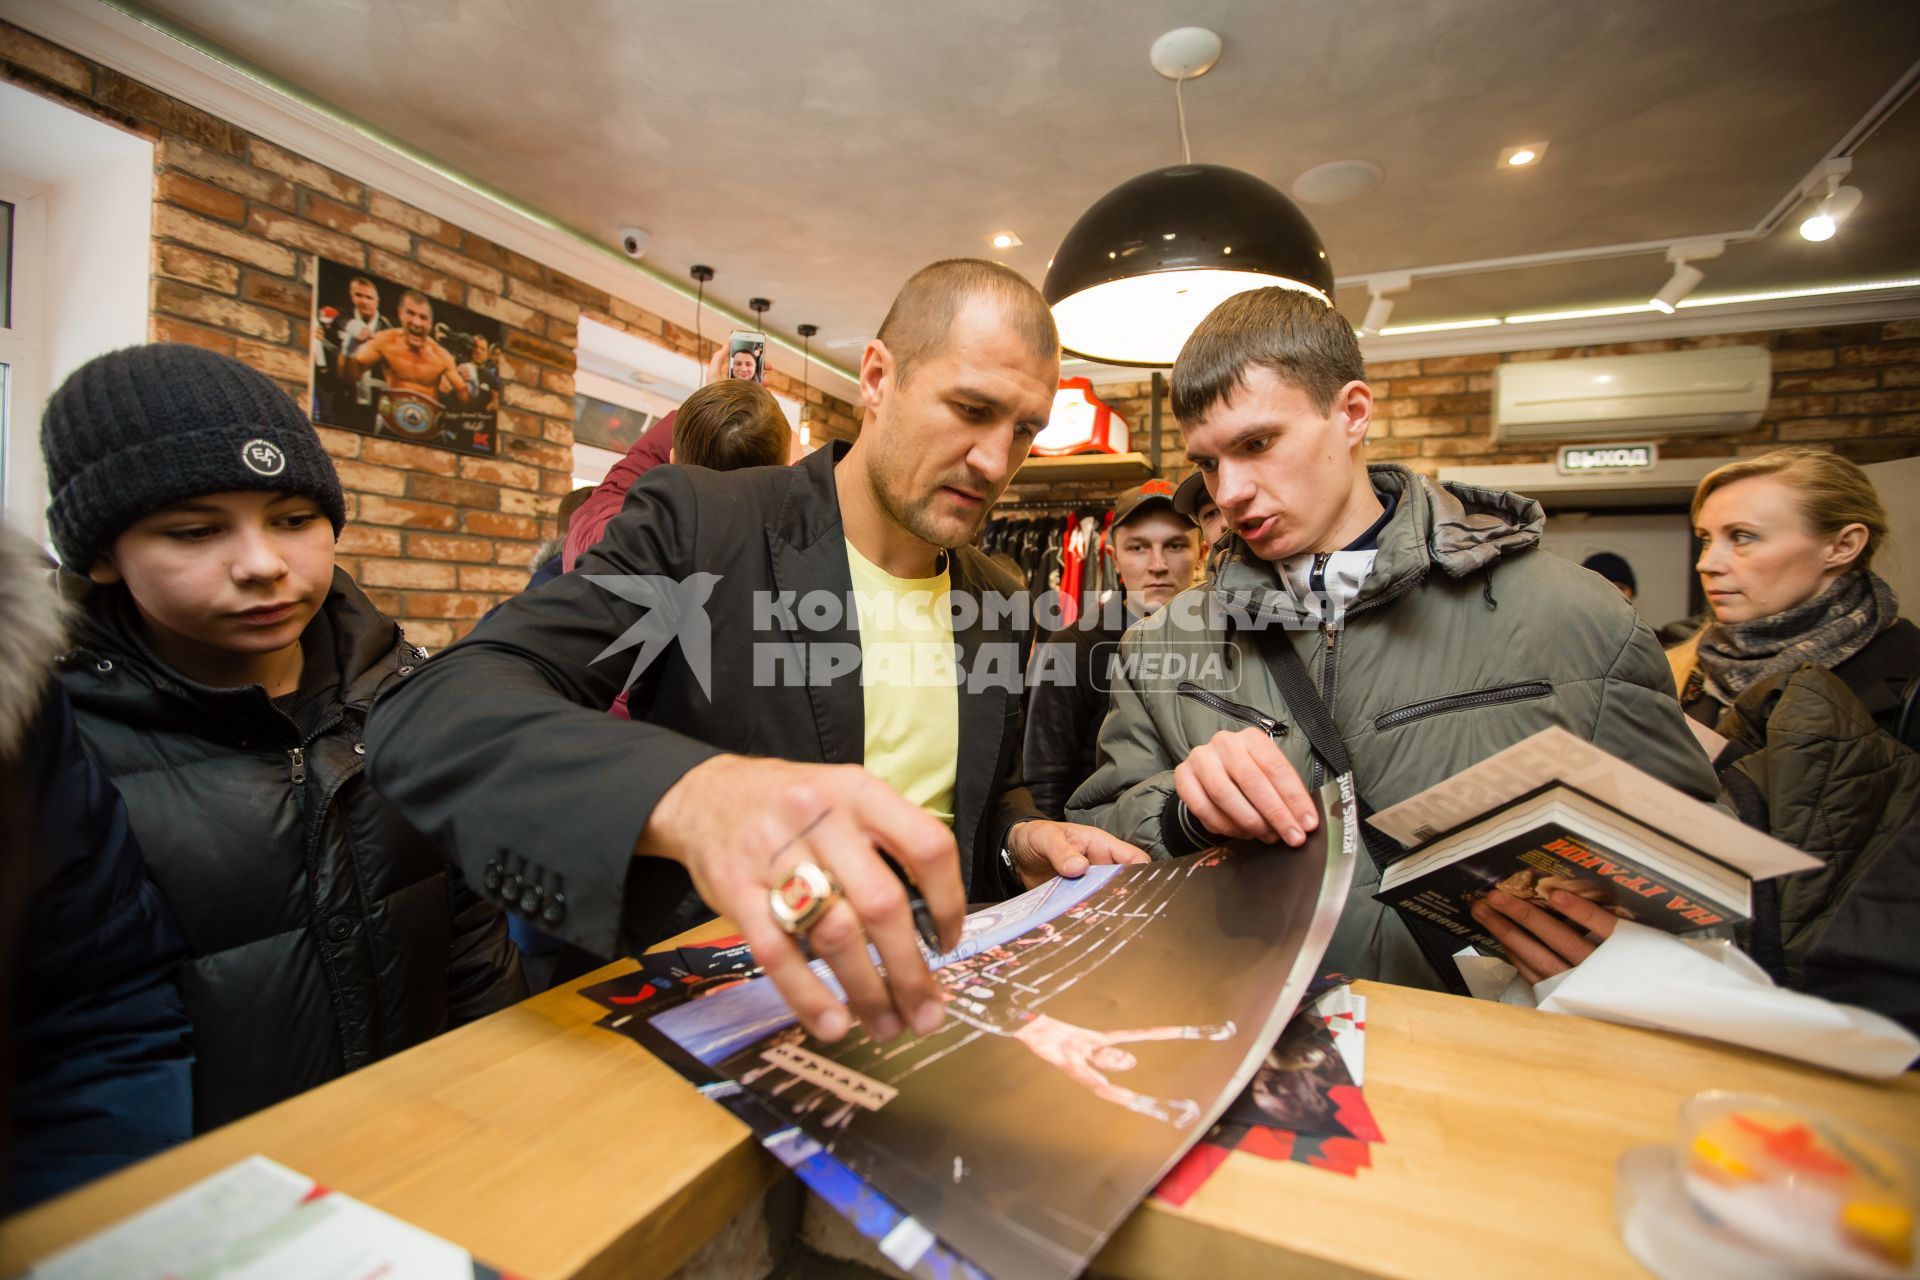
1155	551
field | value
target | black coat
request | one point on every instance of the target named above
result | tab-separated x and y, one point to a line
103	1067
1065	706
322	931
1808	764
502	748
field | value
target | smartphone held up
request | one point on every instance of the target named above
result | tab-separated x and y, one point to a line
747	356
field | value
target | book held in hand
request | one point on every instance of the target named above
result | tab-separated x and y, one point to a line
1557	813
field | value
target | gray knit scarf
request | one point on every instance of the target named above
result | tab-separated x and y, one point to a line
1826	631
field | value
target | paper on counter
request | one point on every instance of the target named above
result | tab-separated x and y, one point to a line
1641	977
258	1220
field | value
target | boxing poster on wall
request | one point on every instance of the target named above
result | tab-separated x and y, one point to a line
391	361
1095	1029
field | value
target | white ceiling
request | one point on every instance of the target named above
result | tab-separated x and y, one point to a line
817	153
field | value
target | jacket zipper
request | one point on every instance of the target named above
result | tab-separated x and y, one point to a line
1232	710
1317	582
298	772
1461	701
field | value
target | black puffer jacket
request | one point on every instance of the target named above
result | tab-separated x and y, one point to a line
322	931
1808	765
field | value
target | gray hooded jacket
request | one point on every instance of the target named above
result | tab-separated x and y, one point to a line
1462	638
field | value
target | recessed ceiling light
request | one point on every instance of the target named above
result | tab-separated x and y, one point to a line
1004	240
1337	182
1526	153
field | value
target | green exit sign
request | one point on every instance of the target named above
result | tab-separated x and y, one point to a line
1578	459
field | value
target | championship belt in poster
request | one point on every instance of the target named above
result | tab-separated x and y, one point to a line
408	413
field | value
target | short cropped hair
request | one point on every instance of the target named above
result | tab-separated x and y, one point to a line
1301	339
917	323
730	424
570	504
1830	491
417	296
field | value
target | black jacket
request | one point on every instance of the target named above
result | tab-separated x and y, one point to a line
1065	705
1808	765
96	1043
322	931
502	748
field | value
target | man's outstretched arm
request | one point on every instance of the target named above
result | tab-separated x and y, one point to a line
500	748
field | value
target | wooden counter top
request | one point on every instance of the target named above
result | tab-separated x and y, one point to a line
553	1149
538	1142
1502	1129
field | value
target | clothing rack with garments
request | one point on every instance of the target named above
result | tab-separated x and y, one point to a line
1059	546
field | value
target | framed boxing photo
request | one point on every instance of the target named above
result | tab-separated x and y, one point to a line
391	361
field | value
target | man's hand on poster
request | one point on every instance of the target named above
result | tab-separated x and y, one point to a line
742	825
1538	943
1239	786
1042	850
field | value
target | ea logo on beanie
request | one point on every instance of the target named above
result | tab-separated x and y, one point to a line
263	457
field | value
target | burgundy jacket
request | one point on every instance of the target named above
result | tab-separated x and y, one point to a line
591	518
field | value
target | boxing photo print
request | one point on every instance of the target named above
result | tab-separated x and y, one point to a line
391	361
1095	1028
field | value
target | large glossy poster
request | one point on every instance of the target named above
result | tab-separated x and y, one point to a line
1094	1033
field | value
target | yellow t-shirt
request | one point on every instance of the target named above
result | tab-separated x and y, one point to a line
908	682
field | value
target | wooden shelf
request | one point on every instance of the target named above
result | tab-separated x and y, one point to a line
1085	468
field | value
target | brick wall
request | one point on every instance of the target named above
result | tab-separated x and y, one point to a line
1854	389
436	538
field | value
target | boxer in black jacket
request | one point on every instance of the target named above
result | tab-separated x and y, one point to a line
738	776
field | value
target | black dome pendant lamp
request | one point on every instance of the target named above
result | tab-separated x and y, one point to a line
1147	262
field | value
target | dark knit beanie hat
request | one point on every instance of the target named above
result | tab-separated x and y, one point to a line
142	428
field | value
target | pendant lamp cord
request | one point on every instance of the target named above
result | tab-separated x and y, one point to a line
699	301
1180	109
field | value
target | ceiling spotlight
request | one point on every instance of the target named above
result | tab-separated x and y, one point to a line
1380	310
1686	277
1004	240
1685	280
1832	212
1523	155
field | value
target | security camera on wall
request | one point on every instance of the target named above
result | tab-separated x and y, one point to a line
633	242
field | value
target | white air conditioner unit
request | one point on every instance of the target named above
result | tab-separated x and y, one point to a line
1716	389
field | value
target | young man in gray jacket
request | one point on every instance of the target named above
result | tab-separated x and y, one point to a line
1432	627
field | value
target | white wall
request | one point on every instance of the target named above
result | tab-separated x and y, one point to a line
99	242
1899	561
1656	546
89	187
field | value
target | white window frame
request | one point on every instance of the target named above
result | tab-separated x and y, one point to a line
23	471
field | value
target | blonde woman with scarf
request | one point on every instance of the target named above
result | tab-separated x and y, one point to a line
1787	565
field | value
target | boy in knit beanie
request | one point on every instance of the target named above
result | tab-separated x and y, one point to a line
222	677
